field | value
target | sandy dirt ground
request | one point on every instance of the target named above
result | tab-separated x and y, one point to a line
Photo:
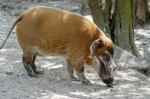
55	82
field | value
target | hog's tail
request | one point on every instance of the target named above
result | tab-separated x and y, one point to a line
19	19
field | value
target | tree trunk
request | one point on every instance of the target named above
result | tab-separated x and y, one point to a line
140	15
107	13
147	12
122	26
97	13
121	30
101	13
84	7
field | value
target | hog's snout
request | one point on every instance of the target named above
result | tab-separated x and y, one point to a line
108	81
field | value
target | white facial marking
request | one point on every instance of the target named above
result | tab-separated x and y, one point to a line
109	64
96	63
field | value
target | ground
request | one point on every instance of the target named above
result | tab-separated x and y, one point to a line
55	82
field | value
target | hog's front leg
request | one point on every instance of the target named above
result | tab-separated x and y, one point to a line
82	78
71	71
79	68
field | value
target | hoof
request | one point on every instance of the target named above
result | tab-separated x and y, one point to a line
86	82
32	74
39	71
75	79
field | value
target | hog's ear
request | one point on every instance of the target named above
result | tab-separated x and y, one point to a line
95	45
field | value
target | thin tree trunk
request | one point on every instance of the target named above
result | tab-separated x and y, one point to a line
97	13
101	13
140	15
107	12
84	7
147	12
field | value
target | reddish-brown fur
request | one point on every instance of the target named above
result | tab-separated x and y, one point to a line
57	32
51	31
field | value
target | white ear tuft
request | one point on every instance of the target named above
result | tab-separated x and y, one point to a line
95	44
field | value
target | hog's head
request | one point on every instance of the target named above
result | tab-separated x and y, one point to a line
102	51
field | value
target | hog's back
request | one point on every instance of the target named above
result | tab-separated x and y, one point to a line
55	31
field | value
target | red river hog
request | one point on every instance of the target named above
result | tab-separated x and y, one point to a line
51	31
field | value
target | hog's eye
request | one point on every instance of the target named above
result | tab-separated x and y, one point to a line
106	57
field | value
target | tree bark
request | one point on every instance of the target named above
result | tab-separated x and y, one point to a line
101	13
122	26
84	7
97	13
140	15
107	13
147	12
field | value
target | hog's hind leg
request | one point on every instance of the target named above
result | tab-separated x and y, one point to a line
27	66
33	66
28	60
